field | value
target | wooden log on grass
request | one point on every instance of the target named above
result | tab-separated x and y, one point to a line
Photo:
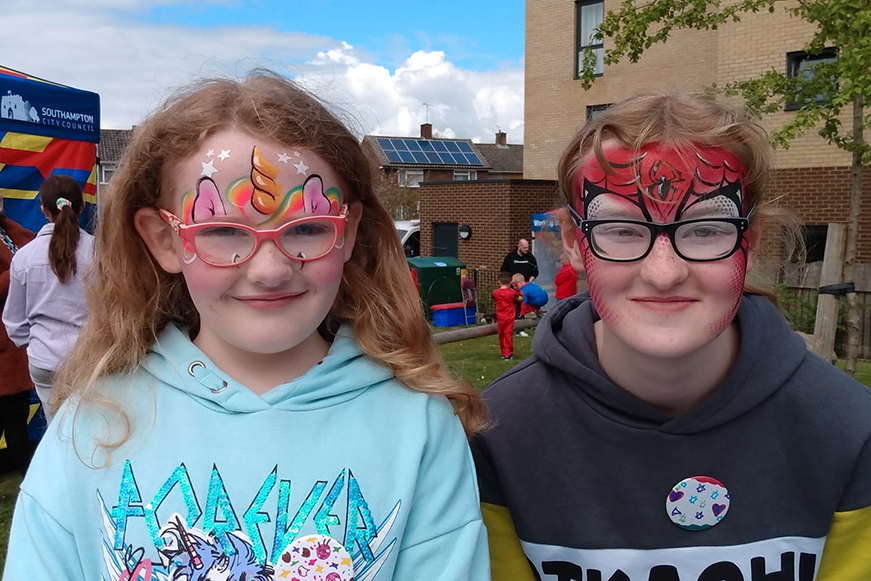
473	332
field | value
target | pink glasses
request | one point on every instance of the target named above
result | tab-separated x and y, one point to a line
229	244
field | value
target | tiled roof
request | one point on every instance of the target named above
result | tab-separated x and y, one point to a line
503	159
372	141
113	142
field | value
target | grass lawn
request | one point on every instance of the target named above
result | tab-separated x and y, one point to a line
863	371
480	361
477	360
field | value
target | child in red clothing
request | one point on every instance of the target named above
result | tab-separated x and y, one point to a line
521	308
566	280
505	297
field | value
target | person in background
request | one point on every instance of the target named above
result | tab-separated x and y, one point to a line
521	260
15	385
506	297
566	280
533	296
46	306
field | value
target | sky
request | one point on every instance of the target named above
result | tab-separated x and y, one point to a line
384	66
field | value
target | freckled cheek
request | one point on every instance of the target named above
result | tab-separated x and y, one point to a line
202	279
326	271
597	280
732	281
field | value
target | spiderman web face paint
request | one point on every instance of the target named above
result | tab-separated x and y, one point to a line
268	221
656	184
662	244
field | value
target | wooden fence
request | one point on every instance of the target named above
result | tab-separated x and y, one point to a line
799	305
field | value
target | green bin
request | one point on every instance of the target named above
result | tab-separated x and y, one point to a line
438	279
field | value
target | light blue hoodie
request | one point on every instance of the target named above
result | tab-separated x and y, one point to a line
216	482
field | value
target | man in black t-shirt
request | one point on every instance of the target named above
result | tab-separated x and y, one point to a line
522	261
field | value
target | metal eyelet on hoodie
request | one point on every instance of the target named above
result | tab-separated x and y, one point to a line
205	375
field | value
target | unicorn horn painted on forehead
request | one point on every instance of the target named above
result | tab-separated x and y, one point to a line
267	192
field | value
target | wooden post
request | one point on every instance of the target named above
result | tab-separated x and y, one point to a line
827	305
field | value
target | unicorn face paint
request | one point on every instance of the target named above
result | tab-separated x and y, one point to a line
270	303
662	304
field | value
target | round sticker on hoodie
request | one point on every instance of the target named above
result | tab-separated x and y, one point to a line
314	558
697	503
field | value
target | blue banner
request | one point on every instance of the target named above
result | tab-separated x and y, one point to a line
39	107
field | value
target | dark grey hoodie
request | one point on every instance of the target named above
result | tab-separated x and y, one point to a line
588	474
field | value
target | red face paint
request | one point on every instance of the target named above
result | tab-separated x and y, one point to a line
662	303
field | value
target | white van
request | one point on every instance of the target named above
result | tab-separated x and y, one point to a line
409	234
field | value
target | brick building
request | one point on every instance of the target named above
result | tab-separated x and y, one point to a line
497	211
811	177
401	164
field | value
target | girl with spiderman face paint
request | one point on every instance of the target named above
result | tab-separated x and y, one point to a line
665	240
668	415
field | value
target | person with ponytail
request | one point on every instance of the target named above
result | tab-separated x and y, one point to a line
46	305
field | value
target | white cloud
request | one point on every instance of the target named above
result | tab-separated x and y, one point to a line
462	103
100	45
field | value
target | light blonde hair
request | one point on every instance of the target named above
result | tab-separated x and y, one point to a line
685	121
132	299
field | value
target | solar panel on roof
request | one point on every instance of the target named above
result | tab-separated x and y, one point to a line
428	152
452	146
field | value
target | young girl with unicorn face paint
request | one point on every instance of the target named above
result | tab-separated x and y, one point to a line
670	425
256	394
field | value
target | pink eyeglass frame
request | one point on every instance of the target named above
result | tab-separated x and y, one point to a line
187	232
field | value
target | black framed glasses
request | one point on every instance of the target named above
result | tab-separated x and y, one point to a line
696	240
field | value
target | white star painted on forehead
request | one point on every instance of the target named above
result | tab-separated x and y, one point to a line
211	153
209	168
225	153
301	167
283	157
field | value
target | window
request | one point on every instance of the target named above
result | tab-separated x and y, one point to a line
465	175
801	65
815	242
494	175
595	111
589	16
106	172
410	178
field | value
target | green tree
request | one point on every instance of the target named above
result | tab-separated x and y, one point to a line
821	92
